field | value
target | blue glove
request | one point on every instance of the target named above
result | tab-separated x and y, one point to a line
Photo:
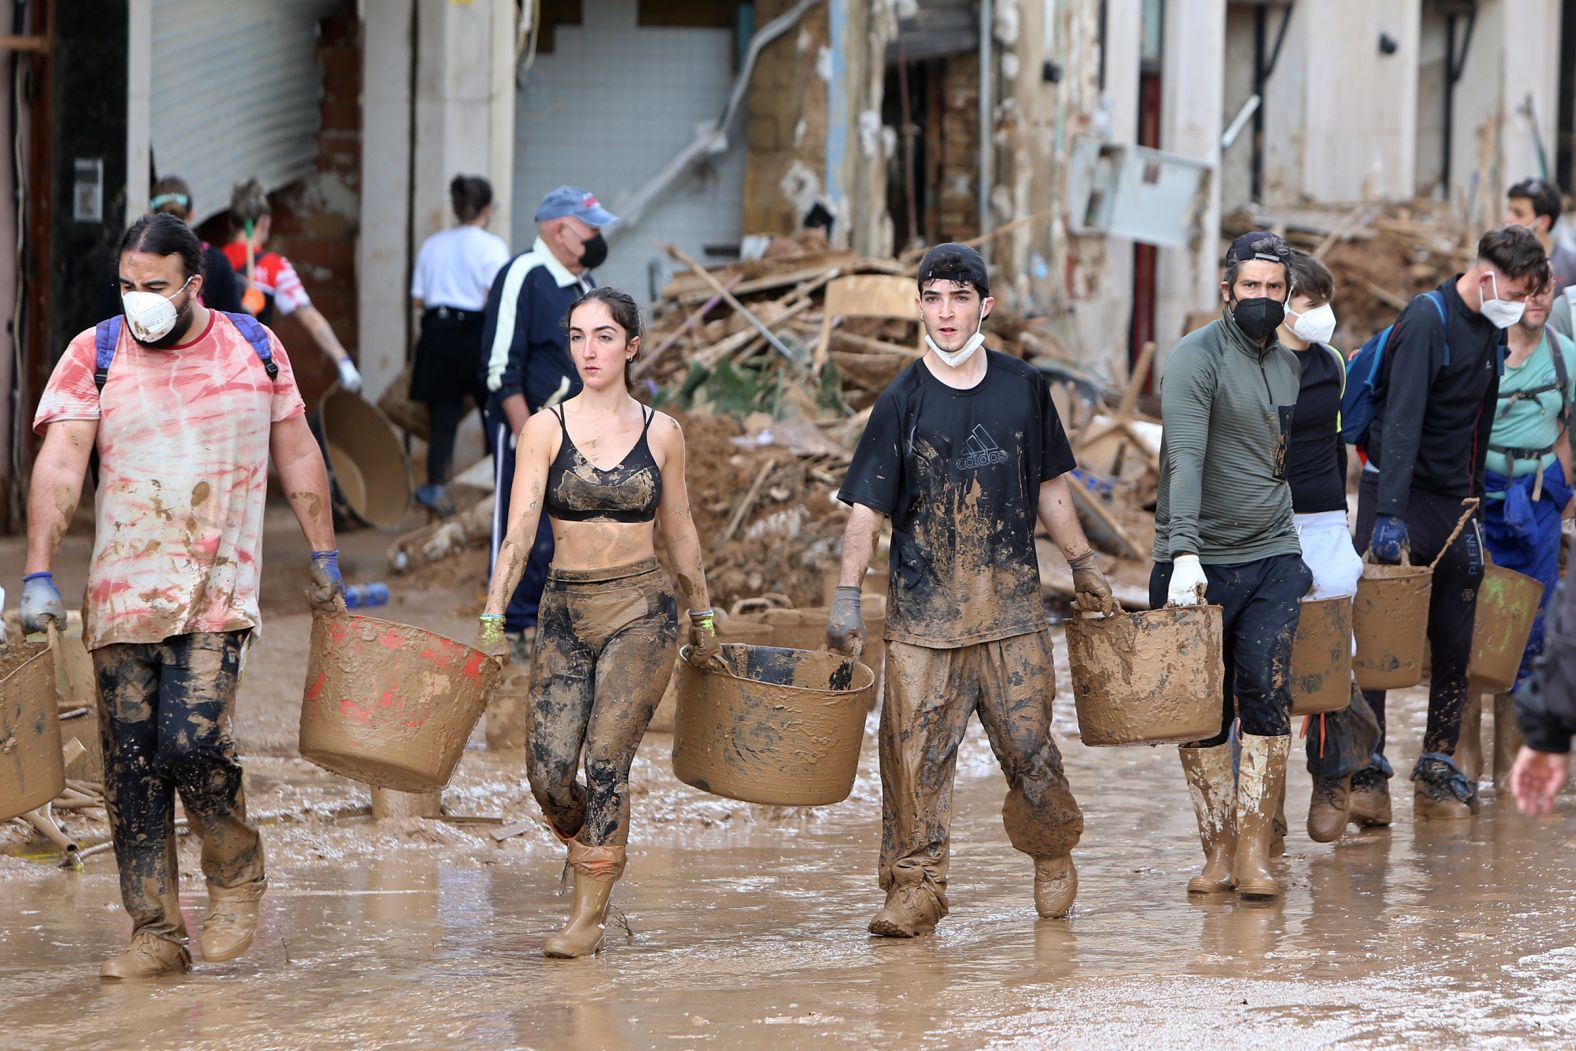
327	585
41	602
1389	541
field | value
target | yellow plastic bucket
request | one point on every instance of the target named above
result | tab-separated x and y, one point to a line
1507	605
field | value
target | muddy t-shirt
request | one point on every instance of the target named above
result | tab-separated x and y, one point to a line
958	472
183	472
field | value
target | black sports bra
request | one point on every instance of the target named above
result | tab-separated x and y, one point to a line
580	491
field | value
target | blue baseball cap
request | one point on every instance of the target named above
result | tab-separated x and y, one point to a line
571	200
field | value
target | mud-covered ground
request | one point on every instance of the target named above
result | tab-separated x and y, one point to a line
746	924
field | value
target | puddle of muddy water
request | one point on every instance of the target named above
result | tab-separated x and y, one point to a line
749	927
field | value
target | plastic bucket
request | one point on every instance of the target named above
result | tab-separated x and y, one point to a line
368	472
1390	622
1147	677
1506	607
769	725
389	704
1321	658
32	770
805	629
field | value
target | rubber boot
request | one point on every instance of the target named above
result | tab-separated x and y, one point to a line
1369	803
1055	886
913	909
1214	793
596	870
1280	826
147	956
231	922
1507	739
1329	808
1469	745
1443	792
1261	781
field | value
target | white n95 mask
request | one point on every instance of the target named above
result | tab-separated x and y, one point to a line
954	358
1315	326
150	315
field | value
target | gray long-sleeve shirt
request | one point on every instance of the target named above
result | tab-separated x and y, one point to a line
1226	406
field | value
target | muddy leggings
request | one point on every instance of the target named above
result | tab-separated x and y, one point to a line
604	653
164	717
1260	602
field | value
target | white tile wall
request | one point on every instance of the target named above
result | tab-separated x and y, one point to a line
608	109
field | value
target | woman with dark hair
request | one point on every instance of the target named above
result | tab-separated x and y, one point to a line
220	289
454	271
270	281
608	471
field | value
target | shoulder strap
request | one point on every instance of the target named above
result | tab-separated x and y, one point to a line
106	337
1340	363
1561	374
257	336
558	411
650	414
1437	298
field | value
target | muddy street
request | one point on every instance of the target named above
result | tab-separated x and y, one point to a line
748	923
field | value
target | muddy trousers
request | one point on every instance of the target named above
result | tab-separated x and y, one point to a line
604	653
928	698
1260	603
164	718
1452	606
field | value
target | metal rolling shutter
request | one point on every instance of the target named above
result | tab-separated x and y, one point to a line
236	89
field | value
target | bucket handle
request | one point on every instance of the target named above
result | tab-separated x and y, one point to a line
760	603
1469	507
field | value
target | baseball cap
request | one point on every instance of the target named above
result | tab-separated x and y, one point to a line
952	261
1259	244
572	200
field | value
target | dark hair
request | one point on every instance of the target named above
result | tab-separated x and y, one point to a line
172	195
249	201
624	310
1544	195
1512	250
469	195
1311	278
164	234
1259	244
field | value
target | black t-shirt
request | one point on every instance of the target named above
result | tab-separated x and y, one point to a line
1315	457
959	474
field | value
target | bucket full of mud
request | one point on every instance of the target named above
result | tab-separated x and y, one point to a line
368	472
765	724
1390	622
389	704
32	770
1321	658
1147	677
1506	607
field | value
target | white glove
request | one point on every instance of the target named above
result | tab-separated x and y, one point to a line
349	378
1187	582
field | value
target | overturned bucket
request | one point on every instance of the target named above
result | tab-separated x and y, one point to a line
1151	676
1507	605
1321	658
769	725
32	770
1390	624
368	472
389	704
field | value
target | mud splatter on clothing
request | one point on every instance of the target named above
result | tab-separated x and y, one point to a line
929	696
604	653
959	474
164	718
183	452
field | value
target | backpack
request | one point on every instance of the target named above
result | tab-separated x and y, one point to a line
106	338
1361	399
1561	385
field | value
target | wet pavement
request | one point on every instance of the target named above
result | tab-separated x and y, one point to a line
748	923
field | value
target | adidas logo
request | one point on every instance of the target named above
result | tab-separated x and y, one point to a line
982	451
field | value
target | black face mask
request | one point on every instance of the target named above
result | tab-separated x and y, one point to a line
593	251
1258	318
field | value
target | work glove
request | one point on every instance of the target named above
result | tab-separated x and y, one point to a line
845	626
1188	582
1389	541
349	378
1091	591
327	592
490	638
41	603
703	644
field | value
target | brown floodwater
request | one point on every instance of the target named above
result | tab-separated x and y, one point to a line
747	925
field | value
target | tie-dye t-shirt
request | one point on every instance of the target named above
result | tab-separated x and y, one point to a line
183	475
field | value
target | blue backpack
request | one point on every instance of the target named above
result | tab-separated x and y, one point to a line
1361	399
106	337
